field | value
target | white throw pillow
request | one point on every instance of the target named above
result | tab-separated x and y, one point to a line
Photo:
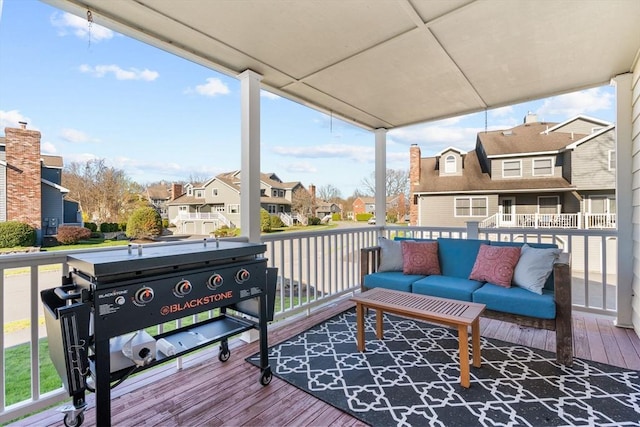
390	255
534	267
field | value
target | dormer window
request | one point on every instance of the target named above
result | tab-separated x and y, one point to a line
450	165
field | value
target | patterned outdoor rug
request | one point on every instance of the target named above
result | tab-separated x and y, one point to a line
412	379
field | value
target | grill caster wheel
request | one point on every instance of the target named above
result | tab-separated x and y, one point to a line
71	421
223	356
266	377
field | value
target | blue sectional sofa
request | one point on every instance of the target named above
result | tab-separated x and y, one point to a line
549	310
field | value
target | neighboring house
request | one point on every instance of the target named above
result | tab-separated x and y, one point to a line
203	208
30	185
324	208
533	175
159	195
395	205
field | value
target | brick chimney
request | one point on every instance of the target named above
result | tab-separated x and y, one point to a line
24	173
414	180
176	190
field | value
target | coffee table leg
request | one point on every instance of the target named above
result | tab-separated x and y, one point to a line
379	331
463	338
475	340
360	327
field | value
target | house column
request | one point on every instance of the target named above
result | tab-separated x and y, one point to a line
381	176
624	195
250	154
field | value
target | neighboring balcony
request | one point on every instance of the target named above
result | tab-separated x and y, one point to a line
564	220
217	218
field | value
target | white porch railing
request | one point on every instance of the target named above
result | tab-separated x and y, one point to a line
565	220
313	268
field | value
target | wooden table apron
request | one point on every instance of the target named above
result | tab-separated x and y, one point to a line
469	316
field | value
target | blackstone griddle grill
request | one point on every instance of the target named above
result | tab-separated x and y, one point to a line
96	319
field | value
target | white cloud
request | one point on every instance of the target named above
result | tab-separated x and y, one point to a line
343	151
79	157
119	73
67	23
502	112
12	118
572	104
437	137
48	148
300	167
212	87
75	136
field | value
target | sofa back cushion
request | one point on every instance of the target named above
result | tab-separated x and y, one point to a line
390	255
457	256
496	264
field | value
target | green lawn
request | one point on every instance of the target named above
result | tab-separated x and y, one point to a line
88	244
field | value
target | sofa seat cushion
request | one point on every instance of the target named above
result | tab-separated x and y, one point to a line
446	287
516	300
395	280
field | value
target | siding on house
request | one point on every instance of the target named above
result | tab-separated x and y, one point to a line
580	126
52	210
439	211
635	149
526	167
591	163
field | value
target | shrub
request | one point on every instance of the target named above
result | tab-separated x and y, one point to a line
122	226
109	227
92	226
165	223
336	216
393	218
265	221
144	222
15	233
314	220
71	234
364	216
224	231
276	222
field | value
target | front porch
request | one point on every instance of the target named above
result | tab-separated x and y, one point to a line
561	220
207	392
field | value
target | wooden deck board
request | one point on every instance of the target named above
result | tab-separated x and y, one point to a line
209	392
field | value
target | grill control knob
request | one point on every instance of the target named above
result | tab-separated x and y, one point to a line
215	281
120	300
143	296
182	288
242	275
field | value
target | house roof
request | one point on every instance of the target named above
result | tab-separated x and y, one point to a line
473	180
390	63
526	138
159	192
52	161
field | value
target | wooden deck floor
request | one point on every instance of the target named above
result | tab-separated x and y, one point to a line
206	392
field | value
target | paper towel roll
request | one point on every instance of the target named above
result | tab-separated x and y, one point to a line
165	347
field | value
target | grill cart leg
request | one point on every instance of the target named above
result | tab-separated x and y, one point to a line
225	353
74	414
265	376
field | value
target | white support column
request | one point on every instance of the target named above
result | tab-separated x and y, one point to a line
624	195
250	162
381	176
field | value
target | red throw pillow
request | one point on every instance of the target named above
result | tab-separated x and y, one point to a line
420	258
495	264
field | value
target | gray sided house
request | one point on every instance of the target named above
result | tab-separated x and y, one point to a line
30	185
534	175
203	208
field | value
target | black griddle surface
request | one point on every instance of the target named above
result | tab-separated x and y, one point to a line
153	257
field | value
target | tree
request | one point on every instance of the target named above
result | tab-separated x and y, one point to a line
105	193
144	222
397	182
329	193
302	202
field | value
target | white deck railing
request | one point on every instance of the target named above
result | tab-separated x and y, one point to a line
313	268
565	220
203	216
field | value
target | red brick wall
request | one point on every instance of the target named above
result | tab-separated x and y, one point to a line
24	188
414	180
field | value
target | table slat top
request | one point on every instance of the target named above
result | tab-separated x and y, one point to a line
451	311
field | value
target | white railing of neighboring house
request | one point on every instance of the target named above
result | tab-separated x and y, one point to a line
286	219
313	268
565	220
197	216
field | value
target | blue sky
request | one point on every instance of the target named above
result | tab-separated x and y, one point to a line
93	93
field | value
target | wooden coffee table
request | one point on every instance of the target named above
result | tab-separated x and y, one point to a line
460	314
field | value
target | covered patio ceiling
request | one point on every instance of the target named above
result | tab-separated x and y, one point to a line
391	63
